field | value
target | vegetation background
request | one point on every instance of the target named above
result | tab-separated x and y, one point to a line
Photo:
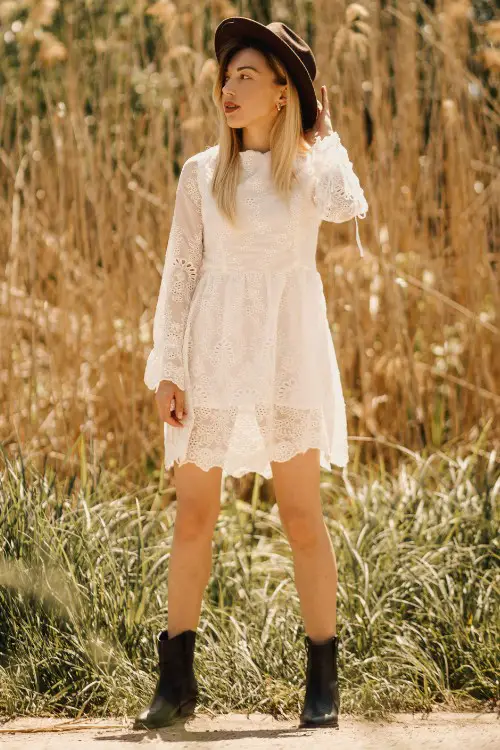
100	105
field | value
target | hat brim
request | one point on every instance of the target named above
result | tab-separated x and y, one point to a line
239	26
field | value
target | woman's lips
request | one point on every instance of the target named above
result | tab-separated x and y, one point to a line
228	110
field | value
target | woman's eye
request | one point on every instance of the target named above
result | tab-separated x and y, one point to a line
242	75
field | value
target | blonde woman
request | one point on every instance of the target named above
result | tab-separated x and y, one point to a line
243	362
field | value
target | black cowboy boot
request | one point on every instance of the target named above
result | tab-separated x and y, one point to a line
322	699
176	691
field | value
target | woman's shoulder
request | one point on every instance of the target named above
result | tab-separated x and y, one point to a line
194	171
196	164
203	156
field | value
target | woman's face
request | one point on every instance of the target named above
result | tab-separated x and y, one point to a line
248	82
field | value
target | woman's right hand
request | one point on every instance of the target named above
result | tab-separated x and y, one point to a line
170	402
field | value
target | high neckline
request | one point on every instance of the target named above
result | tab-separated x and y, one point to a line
252	160
251	153
255	161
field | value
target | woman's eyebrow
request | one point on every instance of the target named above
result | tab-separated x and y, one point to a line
250	67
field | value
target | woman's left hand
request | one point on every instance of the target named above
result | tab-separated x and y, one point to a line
323	125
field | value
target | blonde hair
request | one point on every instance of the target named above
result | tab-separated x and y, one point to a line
286	136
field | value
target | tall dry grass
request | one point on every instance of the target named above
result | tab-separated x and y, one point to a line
99	108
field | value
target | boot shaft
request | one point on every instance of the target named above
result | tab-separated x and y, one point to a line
322	670
176	655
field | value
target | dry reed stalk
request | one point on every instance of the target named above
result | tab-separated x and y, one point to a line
89	161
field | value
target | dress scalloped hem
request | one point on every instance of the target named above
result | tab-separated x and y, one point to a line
241	442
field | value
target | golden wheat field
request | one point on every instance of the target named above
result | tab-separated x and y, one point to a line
99	108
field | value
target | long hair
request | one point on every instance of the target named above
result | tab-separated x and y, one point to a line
286	136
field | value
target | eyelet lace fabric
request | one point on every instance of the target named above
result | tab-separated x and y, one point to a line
240	322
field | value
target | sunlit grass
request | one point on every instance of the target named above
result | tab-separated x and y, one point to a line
83	593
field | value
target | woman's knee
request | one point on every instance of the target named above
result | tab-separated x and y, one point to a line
194	522
198	500
302	528
296	484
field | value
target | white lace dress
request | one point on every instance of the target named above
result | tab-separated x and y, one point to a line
241	324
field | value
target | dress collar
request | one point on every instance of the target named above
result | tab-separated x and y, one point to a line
249	156
251	159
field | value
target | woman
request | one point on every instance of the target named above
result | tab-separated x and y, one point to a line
243	363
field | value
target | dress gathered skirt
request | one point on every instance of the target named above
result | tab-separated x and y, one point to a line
241	323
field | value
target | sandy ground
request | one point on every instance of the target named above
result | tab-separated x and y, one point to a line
443	731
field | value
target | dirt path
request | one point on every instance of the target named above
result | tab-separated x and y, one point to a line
443	731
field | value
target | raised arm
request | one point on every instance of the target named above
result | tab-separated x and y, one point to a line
180	275
337	191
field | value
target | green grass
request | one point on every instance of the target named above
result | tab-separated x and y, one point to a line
83	593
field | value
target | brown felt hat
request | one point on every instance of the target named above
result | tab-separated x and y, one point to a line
292	50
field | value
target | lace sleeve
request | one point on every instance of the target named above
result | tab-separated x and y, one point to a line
337	191
180	273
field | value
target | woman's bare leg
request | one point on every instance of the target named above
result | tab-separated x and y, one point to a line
296	484
198	506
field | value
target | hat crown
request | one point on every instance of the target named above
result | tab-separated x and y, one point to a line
299	46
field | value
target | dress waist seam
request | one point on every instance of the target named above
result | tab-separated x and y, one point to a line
261	271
